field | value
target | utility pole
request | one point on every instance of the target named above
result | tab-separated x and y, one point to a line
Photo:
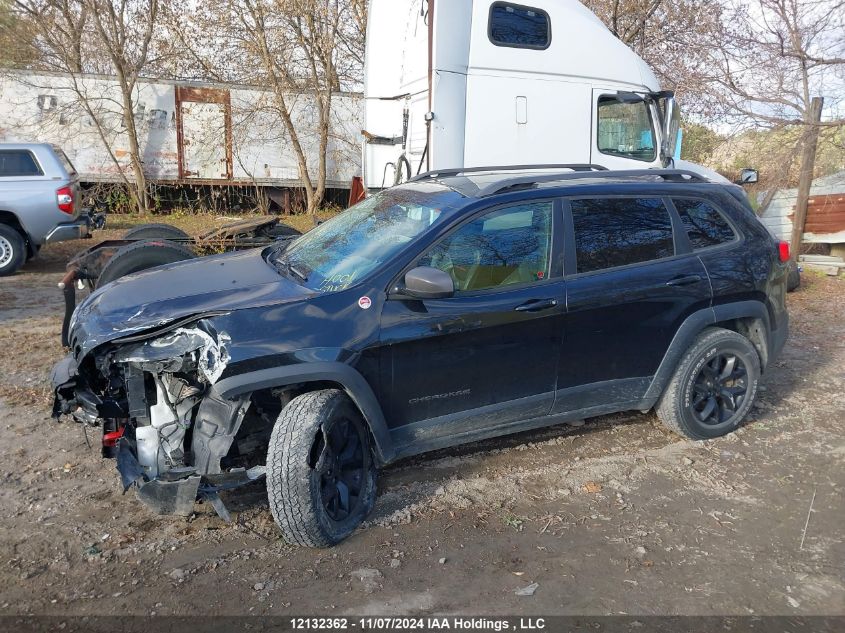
808	161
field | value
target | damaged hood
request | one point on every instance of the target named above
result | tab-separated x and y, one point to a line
174	293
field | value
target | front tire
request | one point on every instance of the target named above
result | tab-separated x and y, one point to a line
12	250
713	386
321	478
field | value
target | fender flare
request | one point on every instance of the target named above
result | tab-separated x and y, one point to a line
692	327
352	381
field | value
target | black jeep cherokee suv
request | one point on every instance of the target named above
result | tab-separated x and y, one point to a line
459	306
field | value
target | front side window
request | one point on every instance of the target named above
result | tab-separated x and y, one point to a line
705	226
624	129
341	251
615	232
14	162
516	26
505	247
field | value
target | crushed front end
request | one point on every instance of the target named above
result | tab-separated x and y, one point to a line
153	395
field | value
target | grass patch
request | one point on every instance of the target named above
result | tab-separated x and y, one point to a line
198	223
514	521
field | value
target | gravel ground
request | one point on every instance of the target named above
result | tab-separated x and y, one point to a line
616	516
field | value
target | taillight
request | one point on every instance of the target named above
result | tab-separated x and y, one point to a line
64	198
783	251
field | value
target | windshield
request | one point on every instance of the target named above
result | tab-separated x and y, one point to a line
341	251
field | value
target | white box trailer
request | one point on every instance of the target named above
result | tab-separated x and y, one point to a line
472	83
191	133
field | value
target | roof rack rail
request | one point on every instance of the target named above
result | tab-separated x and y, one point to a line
668	175
457	171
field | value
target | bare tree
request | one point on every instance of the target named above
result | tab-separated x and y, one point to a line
675	38
17	47
301	51
778	61
111	37
125	31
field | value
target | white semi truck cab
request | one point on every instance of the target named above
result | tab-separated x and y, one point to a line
470	83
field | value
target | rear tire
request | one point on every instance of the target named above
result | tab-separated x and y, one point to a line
12	250
134	258
155	231
713	386
321	479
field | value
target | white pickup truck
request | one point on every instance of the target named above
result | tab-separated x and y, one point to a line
39	202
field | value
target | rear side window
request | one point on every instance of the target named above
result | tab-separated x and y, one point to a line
620	231
518	26
18	162
705	226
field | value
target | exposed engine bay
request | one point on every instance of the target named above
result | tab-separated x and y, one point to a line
172	434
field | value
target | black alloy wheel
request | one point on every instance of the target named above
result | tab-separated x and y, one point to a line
321	471
719	389
713	387
342	465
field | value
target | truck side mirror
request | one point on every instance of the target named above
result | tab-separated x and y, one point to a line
748	176
671	129
425	282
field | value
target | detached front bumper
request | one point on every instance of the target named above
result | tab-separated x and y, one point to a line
176	491
80	228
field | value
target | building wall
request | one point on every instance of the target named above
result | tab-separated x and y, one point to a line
47	108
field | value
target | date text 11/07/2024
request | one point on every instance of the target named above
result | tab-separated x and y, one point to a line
454	623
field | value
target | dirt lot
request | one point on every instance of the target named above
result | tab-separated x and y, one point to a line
613	517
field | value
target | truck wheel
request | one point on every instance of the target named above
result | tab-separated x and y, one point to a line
713	386
321	479
282	230
134	258
12	250
155	231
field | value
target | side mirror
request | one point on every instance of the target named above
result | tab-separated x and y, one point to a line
671	129
748	176
425	282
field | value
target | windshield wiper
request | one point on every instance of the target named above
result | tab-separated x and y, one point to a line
297	273
283	265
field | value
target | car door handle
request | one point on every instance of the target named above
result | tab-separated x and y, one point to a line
535	305
684	280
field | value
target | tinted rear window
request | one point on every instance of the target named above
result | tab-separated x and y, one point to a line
705	226
620	231
18	162
518	26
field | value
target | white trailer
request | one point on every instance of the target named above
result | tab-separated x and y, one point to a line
191	133
471	83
